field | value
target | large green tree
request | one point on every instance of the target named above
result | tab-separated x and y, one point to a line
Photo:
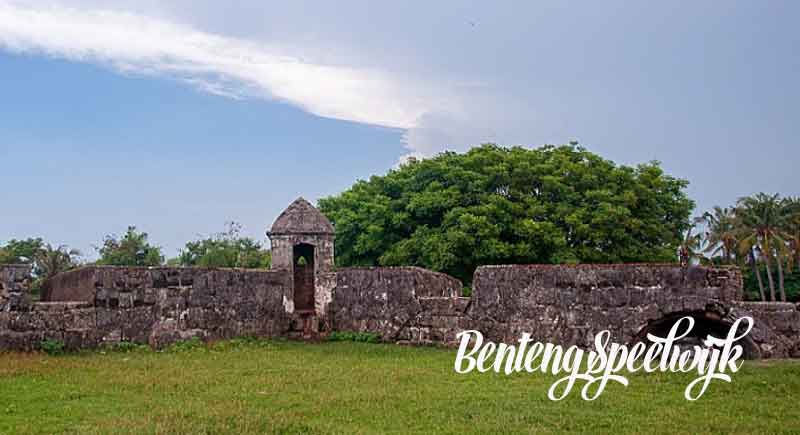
132	249
226	249
497	205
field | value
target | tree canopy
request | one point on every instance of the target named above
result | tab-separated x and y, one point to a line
21	251
760	233
132	249
50	261
497	205
226	249
45	260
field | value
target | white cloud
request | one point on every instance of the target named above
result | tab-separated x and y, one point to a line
230	67
327	74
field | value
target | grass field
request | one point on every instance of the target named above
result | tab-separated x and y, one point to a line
287	387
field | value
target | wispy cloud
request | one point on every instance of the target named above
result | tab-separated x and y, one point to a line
226	66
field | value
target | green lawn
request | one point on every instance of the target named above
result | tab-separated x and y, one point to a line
286	387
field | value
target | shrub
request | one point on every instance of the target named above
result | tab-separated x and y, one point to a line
361	337
226	249
191	344
52	347
128	346
132	249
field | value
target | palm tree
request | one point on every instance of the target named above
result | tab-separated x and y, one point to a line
762	219
751	253
792	206
691	247
50	261
720	232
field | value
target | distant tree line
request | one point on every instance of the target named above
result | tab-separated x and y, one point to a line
228	248
497	205
761	234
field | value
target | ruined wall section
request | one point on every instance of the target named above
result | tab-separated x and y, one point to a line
23	324
150	305
569	304
562	304
406	304
15	280
777	327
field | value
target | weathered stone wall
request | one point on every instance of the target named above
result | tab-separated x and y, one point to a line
151	305
74	286
563	304
569	304
14	287
398	303
777	327
72	323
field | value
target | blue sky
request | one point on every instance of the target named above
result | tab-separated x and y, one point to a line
179	116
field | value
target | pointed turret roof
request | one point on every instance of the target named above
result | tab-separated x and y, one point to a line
301	218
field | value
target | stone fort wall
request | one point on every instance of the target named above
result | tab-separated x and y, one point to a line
564	304
569	304
14	281
406	304
91	306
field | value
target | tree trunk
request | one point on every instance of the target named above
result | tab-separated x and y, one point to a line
758	275
798	256
780	278
769	277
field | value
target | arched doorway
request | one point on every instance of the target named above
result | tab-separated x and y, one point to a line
705	323
303	266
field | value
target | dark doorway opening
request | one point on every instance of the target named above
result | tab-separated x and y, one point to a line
303	261
705	323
